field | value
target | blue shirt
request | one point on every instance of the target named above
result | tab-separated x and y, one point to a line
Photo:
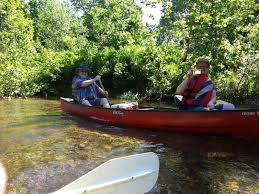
89	92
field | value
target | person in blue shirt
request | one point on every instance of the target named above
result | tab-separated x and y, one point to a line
86	91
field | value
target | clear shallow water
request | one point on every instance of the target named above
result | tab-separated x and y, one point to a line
44	149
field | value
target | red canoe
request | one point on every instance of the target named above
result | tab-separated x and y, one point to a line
240	122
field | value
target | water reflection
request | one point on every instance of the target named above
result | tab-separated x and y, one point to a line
44	149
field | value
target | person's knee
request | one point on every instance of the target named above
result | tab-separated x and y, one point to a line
105	103
228	106
104	100
225	106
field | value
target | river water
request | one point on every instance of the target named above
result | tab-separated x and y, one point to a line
43	149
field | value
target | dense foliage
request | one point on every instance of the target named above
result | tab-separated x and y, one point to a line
224	31
43	41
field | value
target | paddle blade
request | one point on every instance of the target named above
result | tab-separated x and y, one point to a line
126	175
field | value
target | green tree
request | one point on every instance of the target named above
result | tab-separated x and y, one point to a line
117	41
60	36
224	31
52	22
30	62
17	50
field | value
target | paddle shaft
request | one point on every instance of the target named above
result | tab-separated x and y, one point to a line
100	81
97	187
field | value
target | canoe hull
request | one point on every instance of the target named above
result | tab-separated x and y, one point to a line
238	122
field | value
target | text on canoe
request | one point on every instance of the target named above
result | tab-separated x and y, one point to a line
250	113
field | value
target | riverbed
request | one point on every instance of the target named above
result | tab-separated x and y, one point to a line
44	149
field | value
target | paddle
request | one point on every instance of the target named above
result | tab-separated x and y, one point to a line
106	94
3	179
100	81
126	175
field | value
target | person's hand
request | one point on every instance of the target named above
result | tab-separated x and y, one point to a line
207	109
98	77
106	94
211	105
190	74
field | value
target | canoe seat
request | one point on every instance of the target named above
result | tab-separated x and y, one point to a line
145	108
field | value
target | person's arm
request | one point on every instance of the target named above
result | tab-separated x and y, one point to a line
76	83
182	87
212	102
103	92
90	81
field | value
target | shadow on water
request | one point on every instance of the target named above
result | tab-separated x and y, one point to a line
44	150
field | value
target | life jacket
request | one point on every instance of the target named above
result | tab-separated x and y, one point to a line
199	91
79	93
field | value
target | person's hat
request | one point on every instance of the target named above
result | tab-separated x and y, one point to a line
84	68
203	60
